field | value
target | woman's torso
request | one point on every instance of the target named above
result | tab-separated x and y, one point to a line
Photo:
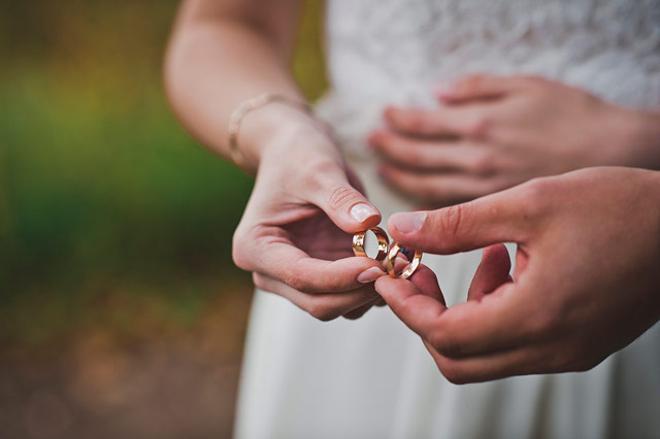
389	51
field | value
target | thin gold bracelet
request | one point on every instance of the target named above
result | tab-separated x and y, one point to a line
252	104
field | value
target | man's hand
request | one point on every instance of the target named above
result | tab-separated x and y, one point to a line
586	281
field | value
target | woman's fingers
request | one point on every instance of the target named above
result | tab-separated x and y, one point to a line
324	307
269	251
470	122
432	155
493	271
359	312
439	188
479	87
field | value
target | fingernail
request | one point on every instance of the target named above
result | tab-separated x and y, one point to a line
361	211
370	275
408	222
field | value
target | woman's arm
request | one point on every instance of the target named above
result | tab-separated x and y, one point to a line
226	51
295	232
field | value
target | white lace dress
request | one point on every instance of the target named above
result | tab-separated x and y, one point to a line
372	378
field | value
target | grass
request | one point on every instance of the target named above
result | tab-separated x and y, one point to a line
101	191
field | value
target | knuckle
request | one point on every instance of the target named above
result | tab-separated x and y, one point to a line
535	195
452	222
445	344
443	340
238	251
452	371
483	165
480	127
323	312
342	196
295	281
259	281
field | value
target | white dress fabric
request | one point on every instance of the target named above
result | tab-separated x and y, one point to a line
372	378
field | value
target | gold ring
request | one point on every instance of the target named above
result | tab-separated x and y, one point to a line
383	243
410	268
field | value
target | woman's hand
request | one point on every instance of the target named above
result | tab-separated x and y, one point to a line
493	132
295	232
586	281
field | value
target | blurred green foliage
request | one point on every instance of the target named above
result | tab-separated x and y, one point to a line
100	188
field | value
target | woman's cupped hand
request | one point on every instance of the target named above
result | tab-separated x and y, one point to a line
295	233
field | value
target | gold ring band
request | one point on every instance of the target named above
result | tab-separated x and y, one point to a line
410	269
383	243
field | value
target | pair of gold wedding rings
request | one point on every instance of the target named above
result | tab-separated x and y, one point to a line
388	253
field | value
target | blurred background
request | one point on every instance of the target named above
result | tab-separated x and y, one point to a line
121	314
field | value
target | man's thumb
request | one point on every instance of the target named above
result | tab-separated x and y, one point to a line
458	228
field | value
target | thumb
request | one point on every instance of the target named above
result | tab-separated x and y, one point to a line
501	217
345	205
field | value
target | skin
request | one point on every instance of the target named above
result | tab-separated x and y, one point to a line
490	133
295	234
586	281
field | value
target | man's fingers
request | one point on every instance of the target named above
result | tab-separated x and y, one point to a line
502	320
493	271
427	282
519	361
321	306
501	217
478	86
418	308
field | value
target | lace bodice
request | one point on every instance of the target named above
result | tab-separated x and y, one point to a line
383	51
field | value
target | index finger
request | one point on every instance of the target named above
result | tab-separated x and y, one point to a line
283	261
505	216
417	302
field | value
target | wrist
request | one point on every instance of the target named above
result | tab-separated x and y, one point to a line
300	145
287	131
